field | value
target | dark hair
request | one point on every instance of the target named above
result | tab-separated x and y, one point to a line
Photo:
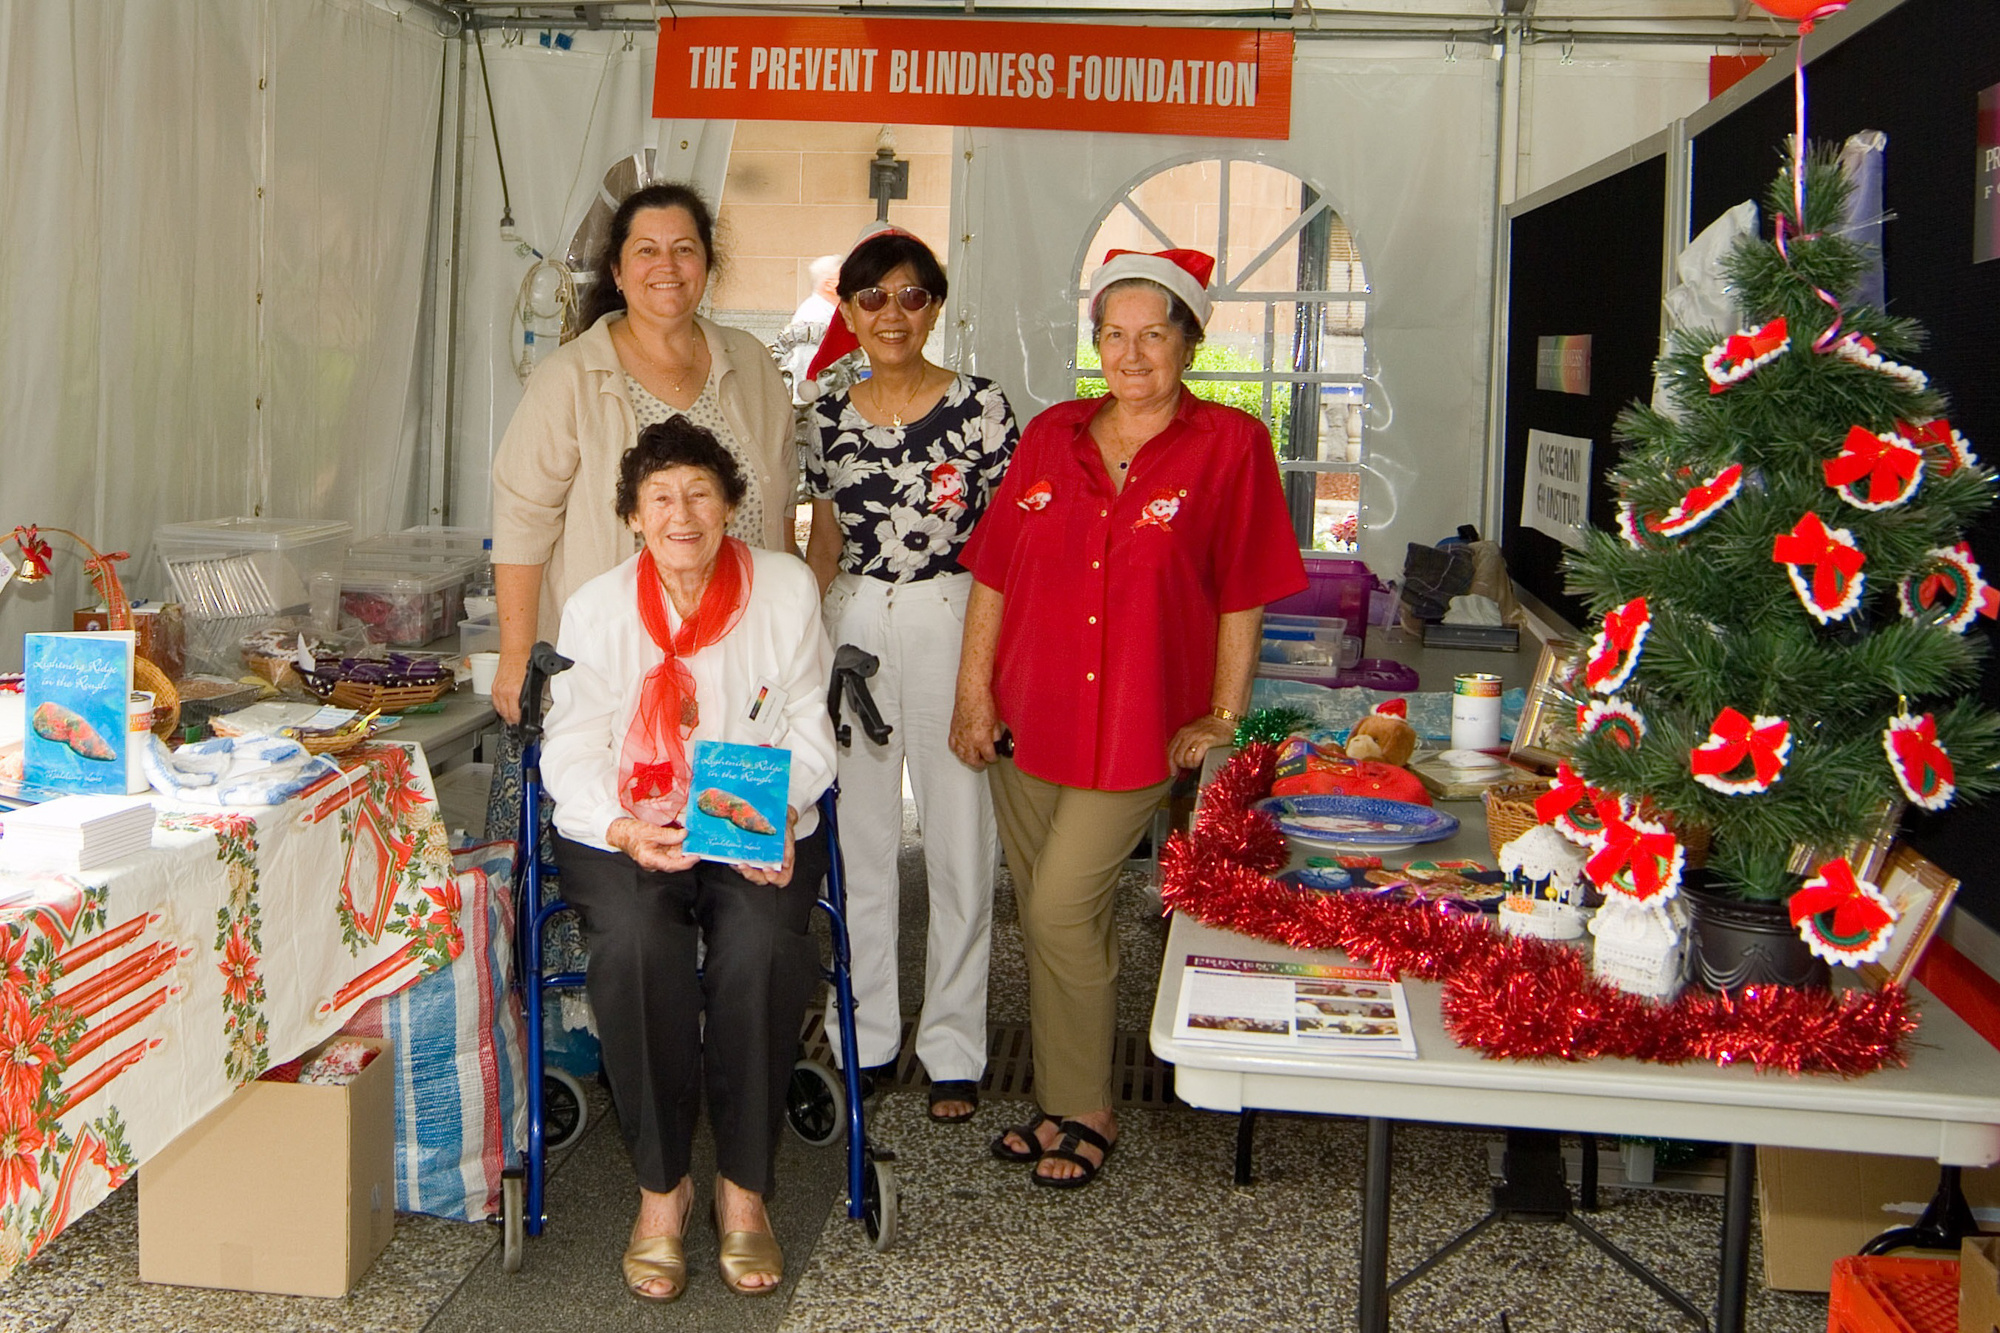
676	442
604	296
882	254
1178	313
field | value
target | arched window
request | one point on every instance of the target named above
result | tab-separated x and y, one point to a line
1287	340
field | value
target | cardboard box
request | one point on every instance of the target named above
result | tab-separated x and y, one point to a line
1979	1285
286	1187
1816	1207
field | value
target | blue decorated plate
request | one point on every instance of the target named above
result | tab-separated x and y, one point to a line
1364	822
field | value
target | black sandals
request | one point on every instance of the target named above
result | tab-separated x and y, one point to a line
1075	1135
1006	1152
953	1090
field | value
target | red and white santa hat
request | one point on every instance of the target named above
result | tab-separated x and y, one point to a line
1185	273
839	339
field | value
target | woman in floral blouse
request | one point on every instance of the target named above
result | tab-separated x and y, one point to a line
899	468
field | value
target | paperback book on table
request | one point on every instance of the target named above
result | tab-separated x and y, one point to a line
76	833
78	690
737	801
1313	1007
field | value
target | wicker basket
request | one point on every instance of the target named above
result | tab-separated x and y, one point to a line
332	742
1510	812
378	698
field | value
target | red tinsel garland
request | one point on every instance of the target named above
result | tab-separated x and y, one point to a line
1512	997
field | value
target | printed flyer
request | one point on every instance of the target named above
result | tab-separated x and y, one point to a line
1294	1007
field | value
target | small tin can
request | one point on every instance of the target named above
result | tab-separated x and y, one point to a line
138	722
1475	712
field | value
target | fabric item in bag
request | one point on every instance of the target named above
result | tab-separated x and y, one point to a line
460	1058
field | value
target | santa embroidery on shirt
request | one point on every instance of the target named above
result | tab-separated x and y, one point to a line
947	489
1159	512
1037	497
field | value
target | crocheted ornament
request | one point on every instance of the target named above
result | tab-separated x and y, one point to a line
1922	768
1875	471
1701	503
1740	356
1842	919
1614	652
1742	755
1949	590
1824	565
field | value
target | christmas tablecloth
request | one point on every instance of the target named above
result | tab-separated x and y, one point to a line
135	999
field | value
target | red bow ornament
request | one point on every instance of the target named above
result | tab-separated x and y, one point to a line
1860	349
1569	806
1740	356
1834	561
1892	469
1951	591
1624	724
1614	652
1941	443
1764	743
1700	504
1842	919
1635	857
36	554
1922	768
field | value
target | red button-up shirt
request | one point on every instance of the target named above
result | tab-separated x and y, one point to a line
1114	598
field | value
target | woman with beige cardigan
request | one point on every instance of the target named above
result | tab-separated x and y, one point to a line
644	356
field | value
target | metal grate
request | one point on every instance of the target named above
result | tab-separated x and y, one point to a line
1138	1077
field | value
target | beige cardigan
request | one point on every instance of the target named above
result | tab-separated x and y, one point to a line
574	424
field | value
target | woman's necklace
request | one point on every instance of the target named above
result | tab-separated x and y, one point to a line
693	363
896	416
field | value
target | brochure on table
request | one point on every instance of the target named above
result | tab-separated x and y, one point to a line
1310	1007
736	809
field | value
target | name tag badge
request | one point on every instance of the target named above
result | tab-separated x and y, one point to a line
764	717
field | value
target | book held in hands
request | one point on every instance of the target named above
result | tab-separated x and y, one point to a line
737	804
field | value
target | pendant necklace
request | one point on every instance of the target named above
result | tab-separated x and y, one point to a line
896	417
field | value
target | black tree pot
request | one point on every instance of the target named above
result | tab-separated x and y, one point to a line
1736	942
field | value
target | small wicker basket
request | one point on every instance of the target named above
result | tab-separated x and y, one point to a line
1510	812
365	698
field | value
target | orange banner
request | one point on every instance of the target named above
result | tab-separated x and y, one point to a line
1211	82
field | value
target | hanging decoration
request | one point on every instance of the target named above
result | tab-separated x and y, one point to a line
1825	567
1614	652
1860	349
1922	768
1806	12
1950	590
1743	353
1635	856
1844	920
1570	807
1701	503
1892	469
1521	998
1628	526
1763	743
1947	450
1615	718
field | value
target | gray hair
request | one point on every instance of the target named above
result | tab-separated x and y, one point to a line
823	270
1178	313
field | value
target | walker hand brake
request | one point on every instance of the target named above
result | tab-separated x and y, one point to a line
543	662
851	669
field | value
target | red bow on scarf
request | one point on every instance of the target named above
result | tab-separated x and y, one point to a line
1889	465
1834	562
1855	911
1648	855
1732	738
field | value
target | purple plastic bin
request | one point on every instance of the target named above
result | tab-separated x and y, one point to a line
1334	587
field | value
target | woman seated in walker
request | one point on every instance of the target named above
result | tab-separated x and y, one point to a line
696	637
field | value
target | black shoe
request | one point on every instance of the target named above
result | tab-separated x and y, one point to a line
876	1077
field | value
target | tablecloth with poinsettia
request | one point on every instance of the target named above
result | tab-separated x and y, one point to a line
135	999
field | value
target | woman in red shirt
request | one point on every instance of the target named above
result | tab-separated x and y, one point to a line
1121	575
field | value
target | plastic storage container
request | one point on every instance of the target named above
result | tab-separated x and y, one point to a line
245	567
479	636
1308	648
1889	1294
407	605
1336	588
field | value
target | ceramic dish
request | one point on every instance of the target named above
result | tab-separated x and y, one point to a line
1357	821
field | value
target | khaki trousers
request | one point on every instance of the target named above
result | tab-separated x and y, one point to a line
1066	847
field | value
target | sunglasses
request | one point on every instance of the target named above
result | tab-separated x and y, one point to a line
911	299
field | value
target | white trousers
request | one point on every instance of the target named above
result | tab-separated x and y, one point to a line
914	629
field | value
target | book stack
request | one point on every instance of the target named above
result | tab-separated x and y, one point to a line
73	833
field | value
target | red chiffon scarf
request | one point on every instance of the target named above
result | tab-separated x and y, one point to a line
653	767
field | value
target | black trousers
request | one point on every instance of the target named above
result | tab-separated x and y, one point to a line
761	968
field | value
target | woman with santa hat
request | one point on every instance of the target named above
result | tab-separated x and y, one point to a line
1121	577
899	468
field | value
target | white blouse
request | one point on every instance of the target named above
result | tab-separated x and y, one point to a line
779	645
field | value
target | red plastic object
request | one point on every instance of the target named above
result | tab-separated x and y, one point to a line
1889	1295
1959	982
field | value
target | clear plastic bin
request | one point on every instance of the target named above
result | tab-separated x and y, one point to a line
245	567
405	606
479	636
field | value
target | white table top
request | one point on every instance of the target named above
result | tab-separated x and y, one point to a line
1944	1105
449	737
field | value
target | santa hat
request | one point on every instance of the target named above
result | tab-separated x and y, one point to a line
839	339
1394	708
1183	272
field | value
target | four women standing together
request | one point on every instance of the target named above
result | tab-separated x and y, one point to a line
1105	584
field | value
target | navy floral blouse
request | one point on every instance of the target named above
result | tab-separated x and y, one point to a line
909	497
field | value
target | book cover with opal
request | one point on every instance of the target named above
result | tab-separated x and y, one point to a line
737	802
77	688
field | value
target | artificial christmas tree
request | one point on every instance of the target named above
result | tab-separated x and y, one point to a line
1781	654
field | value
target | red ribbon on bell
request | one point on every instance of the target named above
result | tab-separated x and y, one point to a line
1855	912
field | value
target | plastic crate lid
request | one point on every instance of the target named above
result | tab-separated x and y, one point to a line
401	582
261	534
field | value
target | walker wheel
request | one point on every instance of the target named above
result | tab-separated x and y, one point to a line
816	1104
878	1204
564	1111
513	1220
